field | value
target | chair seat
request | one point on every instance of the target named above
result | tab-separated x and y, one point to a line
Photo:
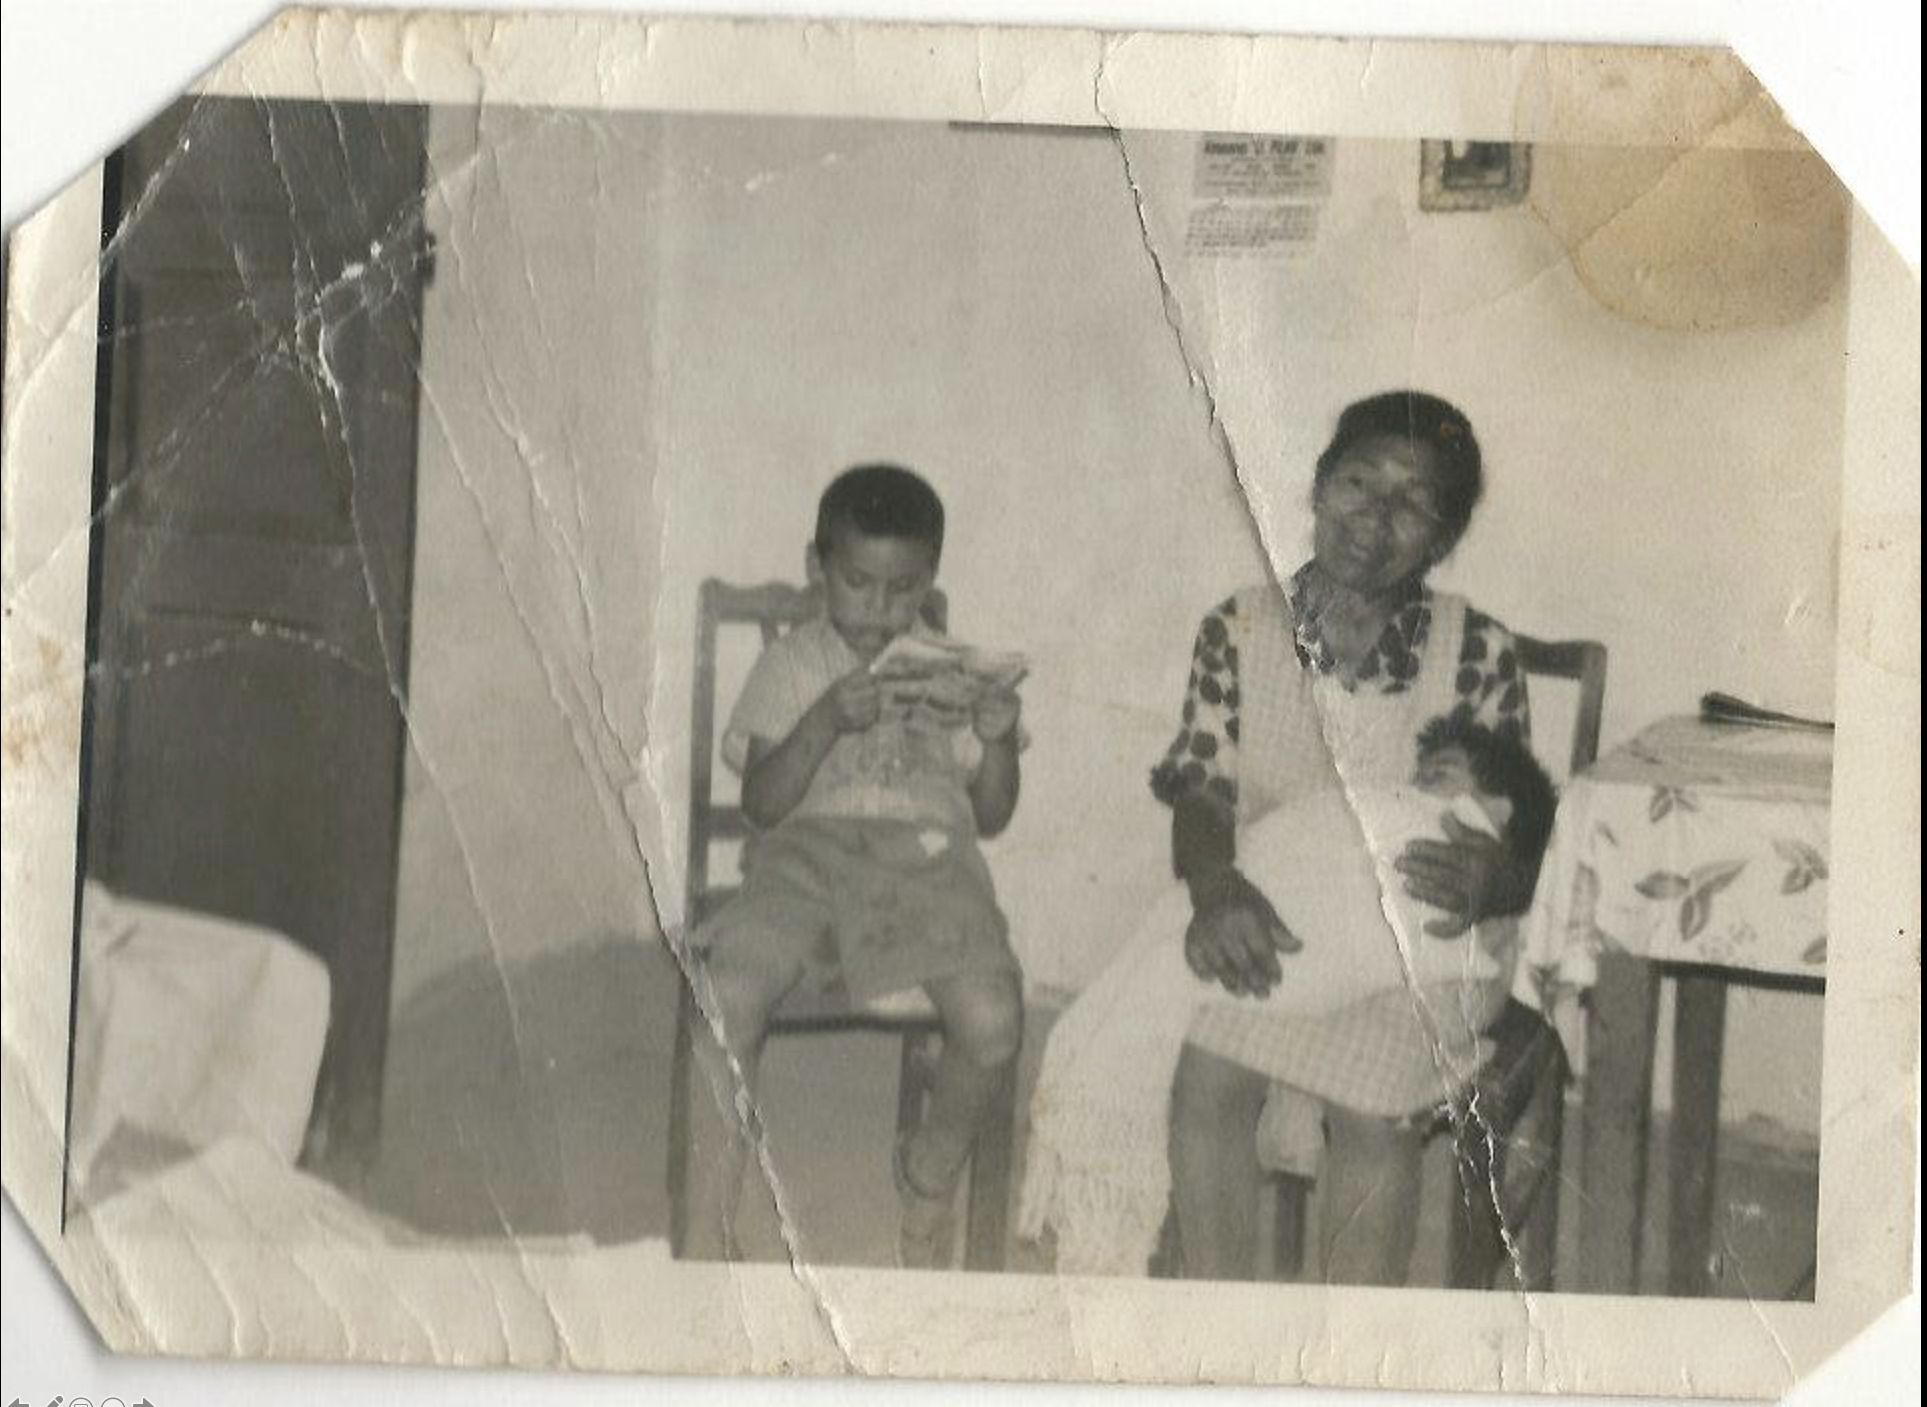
912	1005
808	1007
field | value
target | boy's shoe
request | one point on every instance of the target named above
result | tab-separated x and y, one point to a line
927	1230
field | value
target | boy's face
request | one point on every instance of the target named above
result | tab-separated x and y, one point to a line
873	587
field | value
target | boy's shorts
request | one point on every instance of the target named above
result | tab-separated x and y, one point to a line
882	905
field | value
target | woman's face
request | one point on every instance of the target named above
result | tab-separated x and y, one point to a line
1376	517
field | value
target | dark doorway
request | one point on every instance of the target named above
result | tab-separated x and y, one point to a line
261	282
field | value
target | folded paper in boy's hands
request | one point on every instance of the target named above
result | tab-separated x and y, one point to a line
939	679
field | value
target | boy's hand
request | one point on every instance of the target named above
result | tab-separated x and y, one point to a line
854	702
995	714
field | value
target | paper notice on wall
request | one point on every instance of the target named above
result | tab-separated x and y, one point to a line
1256	194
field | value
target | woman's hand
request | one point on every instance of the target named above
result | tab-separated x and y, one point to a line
1470	875
1235	936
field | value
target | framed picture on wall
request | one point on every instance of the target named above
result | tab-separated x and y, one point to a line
1473	175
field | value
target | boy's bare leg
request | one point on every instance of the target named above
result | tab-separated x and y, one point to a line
719	1138
1215	1175
1371	1199
983	1029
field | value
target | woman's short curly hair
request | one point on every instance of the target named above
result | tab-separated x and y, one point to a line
1421	419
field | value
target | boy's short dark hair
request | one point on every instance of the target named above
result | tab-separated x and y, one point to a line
880	500
1502	766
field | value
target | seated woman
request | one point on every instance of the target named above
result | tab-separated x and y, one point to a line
1327	684
1097	1176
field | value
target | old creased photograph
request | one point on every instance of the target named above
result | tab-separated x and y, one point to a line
962	740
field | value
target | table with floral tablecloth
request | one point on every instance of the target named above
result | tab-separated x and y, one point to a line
1696	851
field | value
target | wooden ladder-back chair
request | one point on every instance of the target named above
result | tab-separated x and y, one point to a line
1506	1138
773	609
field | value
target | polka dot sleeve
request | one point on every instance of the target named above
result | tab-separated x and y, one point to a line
1204	755
1491	685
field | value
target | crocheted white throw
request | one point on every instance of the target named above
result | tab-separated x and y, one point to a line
1098	1169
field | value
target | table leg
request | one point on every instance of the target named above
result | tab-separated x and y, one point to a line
1699	1038
1615	1121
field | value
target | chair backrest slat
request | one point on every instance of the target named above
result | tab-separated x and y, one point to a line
1584	663
702	750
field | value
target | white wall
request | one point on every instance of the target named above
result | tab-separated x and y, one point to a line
534	543
687	325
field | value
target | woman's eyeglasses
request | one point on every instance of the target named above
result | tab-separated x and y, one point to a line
1409	517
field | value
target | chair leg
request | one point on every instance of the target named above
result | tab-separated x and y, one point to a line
1476	1244
988	1216
681	1073
1539	1203
1167	1261
1288	1232
1508	1187
915	1068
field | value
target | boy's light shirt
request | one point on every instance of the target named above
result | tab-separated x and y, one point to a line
892	771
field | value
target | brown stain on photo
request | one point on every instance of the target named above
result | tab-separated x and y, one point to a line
1733	223
42	723
38	739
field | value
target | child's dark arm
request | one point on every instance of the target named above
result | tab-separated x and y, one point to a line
993	790
1515	884
777	778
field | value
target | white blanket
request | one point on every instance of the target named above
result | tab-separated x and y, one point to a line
191	1029
1098	1170
232	1253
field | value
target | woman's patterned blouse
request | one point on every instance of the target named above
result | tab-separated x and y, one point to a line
1491	687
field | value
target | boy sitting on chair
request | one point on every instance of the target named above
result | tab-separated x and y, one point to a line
864	863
